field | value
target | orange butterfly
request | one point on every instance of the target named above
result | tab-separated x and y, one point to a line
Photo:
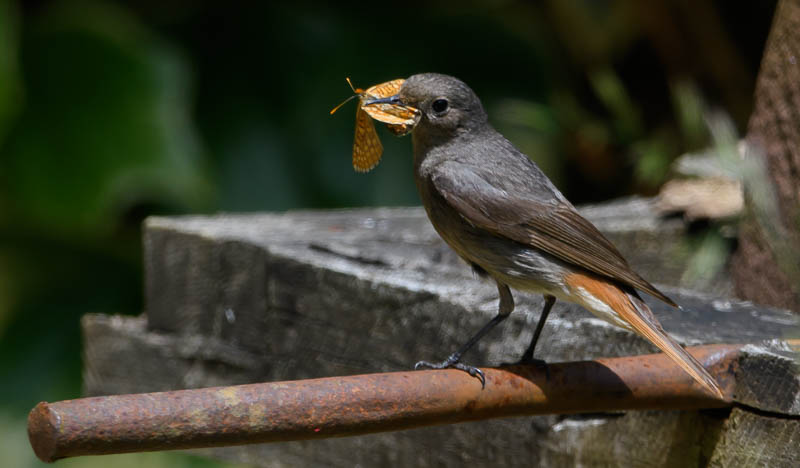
367	147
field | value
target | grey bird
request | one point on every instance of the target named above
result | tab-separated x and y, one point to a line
506	219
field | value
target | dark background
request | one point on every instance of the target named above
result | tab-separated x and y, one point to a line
110	112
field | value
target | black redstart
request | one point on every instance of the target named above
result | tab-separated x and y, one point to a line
502	215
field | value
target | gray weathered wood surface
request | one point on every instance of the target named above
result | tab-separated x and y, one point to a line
248	298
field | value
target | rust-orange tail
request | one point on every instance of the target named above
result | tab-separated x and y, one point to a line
632	309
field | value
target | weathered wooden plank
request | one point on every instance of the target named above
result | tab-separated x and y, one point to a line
757	439
637	438
248	298
647	439
768	379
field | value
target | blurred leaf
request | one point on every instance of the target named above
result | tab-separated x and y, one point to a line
106	127
531	115
55	284
653	158
10	82
594	31
254	171
565	106
689	110
709	256
612	93
9	289
535	130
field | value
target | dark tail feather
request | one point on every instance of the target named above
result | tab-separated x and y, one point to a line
644	322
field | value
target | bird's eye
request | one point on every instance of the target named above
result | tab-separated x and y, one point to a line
439	105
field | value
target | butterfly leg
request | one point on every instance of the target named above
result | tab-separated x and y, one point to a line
504	310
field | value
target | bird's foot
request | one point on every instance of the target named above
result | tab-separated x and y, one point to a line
452	363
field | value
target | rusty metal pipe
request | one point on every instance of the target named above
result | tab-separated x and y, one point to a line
361	404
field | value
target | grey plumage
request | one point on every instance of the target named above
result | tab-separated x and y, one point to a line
461	161
504	217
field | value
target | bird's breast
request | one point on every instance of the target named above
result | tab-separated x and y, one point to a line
507	261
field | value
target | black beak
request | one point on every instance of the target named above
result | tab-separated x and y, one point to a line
387	100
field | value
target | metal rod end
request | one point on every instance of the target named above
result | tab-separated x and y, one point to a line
43	425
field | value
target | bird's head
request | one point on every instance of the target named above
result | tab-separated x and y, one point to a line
448	106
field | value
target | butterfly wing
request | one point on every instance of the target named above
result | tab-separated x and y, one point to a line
400	120
367	148
399	129
393	114
404	118
389	88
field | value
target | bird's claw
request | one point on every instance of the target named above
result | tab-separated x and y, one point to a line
452	362
473	371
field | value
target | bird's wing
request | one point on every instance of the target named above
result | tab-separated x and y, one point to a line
545	223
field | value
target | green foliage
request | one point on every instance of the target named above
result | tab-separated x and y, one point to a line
105	128
611	91
106	125
653	158
710	251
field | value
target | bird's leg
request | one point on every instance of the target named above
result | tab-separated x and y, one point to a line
504	310
527	356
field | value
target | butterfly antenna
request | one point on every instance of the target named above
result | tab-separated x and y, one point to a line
343	103
356	92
